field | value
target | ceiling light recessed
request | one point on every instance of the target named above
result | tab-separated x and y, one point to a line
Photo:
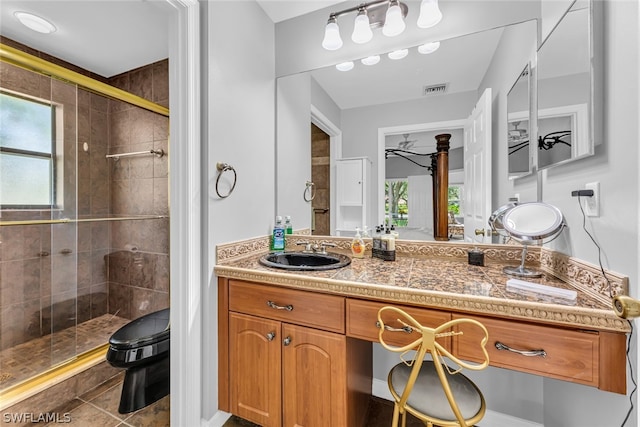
35	23
371	60
428	48
345	66
398	54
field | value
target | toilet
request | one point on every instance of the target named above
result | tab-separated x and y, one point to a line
142	348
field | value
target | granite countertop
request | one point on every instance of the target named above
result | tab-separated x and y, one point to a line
436	282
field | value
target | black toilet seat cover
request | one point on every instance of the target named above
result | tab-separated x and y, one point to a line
150	327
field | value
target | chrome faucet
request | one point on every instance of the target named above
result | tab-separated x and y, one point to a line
316	248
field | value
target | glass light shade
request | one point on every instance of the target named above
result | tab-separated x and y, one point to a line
430	14
332	40
394	22
398	54
345	66
35	22
361	30
371	60
428	48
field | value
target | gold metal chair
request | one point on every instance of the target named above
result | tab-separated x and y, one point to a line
434	392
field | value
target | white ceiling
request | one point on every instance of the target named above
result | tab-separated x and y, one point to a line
281	10
109	37
461	63
102	36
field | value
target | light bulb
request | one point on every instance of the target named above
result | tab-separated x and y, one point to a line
398	54
394	22
332	40
345	66
430	14
428	47
371	60
361	29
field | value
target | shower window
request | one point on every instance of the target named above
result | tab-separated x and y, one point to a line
27	152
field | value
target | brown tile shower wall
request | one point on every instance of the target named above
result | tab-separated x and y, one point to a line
139	279
38	282
38	268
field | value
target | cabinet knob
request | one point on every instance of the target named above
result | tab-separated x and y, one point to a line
479	232
286	341
271	336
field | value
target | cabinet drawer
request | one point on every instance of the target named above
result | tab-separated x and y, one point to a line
362	318
289	305
569	354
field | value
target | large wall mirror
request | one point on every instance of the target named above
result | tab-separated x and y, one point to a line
351	111
391	104
566	89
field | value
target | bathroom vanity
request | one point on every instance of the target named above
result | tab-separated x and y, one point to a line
282	331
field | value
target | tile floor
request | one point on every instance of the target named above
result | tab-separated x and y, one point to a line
36	356
99	407
380	415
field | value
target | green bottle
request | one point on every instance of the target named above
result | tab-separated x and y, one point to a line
278	238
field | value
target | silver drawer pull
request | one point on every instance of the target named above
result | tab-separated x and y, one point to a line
286	341
408	329
271	336
529	353
279	307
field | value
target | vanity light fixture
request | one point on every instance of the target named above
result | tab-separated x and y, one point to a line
428	48
332	40
371	60
398	54
345	66
430	14
394	21
362	28
388	14
35	22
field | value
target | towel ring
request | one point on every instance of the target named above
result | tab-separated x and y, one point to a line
310	190
222	168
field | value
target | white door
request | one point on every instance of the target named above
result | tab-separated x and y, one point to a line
477	171
420	202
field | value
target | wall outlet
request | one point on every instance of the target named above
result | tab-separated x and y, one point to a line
592	204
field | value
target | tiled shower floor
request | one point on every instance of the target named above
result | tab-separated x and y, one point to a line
33	357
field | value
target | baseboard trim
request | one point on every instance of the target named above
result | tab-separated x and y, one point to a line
218	419
491	418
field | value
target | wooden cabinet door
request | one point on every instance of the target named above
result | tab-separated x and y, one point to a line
255	369
314	378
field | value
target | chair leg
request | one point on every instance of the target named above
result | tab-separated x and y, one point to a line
396	413
404	419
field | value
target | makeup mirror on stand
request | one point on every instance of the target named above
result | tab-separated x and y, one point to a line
528	223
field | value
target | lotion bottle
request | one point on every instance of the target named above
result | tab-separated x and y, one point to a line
357	245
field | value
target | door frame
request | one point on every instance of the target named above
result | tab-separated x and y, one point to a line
335	152
399	130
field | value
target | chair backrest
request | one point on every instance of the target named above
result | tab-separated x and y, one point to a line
426	341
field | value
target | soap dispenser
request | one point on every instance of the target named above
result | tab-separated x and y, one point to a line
357	245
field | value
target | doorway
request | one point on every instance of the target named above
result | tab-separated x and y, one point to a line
321	177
